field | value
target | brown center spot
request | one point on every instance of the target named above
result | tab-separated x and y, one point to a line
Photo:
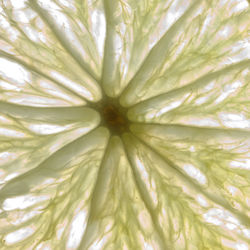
114	119
113	115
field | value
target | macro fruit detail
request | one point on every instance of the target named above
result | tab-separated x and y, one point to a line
124	124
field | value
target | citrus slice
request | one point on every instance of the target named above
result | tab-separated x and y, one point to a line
124	124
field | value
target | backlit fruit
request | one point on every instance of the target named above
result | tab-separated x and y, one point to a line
124	124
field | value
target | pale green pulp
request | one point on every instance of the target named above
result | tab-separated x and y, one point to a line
175	175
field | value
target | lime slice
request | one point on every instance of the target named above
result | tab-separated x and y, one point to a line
124	124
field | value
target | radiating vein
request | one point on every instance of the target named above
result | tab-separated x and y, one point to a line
50	114
110	73
244	219
155	57
54	163
190	131
35	70
109	162
142	190
62	38
201	82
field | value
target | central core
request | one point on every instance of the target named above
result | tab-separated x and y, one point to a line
114	116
